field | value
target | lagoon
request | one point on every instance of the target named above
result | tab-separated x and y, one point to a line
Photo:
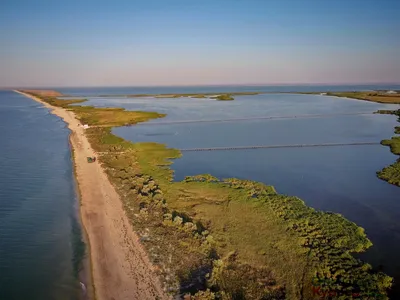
338	179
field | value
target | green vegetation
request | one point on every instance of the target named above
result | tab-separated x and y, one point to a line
380	97
195	95
103	117
392	173
58	102
45	93
111	116
388	112
230	238
225	97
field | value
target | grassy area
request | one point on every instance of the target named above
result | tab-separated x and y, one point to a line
58	102
191	95
199	96
235	229
392	173
111	116
45	93
230	238
388	112
380	97
217	96
224	97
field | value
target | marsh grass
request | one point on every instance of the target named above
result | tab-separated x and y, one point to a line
111	116
224	97
195	95
229	238
380	97
61	103
392	173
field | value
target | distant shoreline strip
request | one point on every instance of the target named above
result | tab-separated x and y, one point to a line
280	146
254	118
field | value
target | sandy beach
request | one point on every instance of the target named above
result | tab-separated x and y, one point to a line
119	264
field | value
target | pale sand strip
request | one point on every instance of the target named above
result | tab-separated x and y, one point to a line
120	266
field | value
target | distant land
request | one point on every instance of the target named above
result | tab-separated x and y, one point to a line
250	240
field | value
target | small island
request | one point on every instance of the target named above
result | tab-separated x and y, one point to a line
225	97
218	96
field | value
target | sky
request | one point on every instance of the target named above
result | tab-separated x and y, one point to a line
45	43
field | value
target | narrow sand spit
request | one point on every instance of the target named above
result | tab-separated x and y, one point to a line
120	266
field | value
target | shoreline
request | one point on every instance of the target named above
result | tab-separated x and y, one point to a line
119	266
85	275
165	209
374	96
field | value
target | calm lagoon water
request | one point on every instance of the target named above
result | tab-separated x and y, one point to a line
96	91
338	179
39	232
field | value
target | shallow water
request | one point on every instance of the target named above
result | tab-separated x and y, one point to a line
96	91
40	237
339	179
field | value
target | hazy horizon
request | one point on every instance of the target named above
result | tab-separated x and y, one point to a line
396	84
181	43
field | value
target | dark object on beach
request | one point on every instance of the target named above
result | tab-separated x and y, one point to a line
91	159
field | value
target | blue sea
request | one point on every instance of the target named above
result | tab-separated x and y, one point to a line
40	234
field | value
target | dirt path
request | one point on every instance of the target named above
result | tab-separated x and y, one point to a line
120	266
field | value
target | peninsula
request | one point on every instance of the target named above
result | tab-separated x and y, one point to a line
204	237
120	267
388	97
